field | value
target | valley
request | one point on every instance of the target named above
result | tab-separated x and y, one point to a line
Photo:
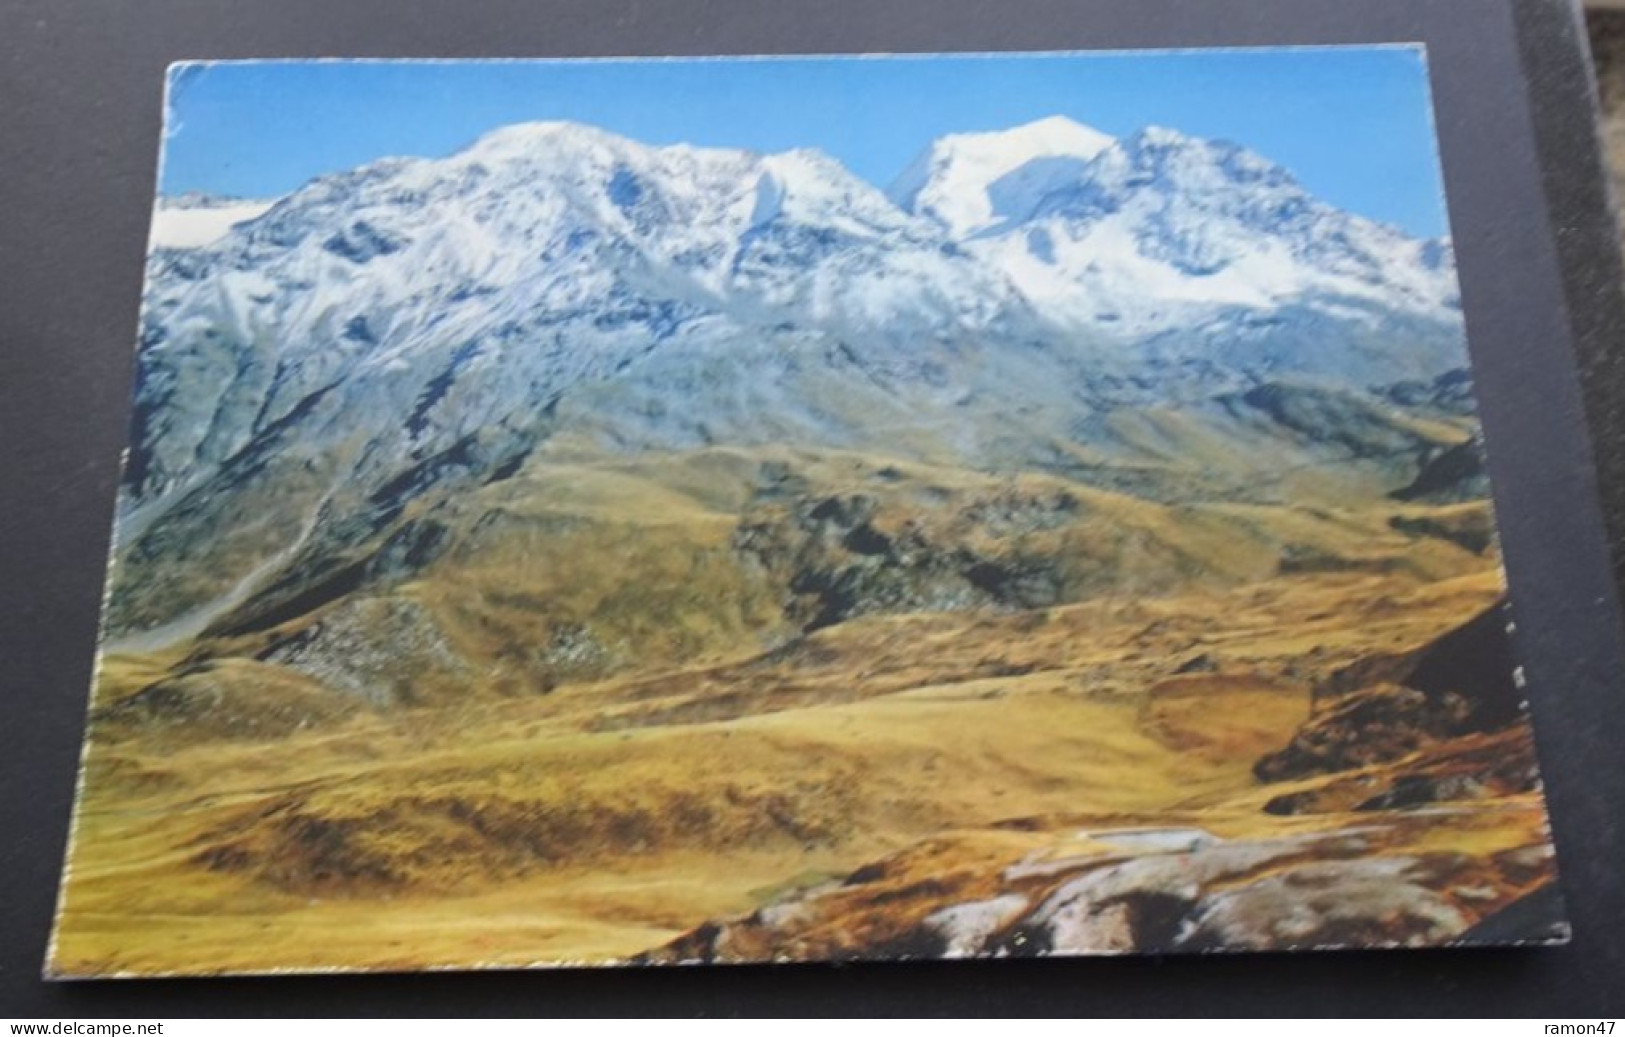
627	699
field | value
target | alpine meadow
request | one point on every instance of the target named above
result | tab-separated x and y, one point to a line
579	548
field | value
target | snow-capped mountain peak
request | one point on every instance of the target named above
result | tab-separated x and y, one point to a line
1161	228
969	182
541	257
416	321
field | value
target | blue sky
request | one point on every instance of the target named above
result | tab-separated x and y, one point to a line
1354	124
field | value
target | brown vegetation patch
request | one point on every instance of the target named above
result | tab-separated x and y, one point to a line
1472	767
224	699
1386	706
316	843
1223	716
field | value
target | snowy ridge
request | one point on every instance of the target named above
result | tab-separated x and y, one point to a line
1159	224
552	253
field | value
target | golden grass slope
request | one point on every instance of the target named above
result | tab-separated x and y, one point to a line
596	719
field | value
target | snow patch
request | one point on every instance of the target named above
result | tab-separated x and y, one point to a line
1166	840
197	226
769	200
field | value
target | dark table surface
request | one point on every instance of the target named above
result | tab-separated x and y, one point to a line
78	131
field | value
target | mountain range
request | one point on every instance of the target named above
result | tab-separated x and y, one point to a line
1039	298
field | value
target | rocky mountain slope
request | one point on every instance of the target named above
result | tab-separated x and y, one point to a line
1094	885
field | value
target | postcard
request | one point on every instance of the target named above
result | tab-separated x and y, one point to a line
802	509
